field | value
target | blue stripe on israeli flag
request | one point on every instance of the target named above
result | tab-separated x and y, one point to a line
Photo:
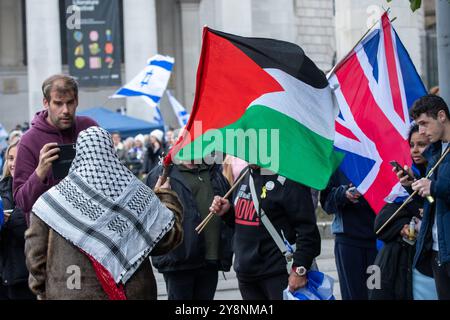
132	93
158	116
163	64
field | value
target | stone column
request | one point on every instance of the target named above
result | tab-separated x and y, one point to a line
443	48
191	39
139	18
11	53
43	47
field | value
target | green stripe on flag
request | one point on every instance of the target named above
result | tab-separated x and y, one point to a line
274	141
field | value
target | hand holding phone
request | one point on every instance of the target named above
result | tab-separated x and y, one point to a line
353	194
398	168
62	165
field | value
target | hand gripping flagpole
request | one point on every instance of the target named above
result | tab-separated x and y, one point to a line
205	221
414	193
167	163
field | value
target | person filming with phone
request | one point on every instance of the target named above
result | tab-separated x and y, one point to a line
38	149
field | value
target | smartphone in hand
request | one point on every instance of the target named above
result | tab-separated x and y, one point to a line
61	166
398	167
353	191
354	195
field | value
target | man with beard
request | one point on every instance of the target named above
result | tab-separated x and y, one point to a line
55	125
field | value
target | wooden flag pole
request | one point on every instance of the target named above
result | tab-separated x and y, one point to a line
414	193
205	221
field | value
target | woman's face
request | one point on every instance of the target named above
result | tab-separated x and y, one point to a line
417	145
11	158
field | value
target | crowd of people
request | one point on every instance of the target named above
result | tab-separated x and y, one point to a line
114	213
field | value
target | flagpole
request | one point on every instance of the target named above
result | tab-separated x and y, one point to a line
354	47
205	221
414	193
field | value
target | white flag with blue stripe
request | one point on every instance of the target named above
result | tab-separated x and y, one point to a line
179	110
151	82
318	287
158	116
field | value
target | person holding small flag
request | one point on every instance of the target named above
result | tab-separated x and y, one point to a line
260	267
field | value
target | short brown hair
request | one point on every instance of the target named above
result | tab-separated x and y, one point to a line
69	84
430	104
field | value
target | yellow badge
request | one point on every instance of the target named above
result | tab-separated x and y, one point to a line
264	192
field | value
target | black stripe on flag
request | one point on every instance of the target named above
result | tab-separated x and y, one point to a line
286	56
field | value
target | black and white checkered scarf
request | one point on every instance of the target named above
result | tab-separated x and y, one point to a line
103	209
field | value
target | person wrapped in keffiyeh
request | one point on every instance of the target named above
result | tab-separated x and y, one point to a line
105	221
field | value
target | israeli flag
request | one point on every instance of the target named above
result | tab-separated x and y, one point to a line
151	82
158	116
318	287
179	110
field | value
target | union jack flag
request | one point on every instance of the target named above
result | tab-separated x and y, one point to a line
375	85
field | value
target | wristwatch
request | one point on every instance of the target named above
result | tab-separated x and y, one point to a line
300	271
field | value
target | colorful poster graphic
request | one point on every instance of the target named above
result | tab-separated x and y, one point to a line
94	49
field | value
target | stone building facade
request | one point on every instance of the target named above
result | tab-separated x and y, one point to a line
31	48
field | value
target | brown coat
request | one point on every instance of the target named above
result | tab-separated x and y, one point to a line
49	257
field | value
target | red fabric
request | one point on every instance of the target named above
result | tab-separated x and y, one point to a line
227	82
114	291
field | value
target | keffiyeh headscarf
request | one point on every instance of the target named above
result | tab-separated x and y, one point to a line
103	209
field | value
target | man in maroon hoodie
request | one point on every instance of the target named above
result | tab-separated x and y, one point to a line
56	124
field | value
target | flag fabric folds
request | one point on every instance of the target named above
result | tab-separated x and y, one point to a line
374	86
158	116
178	109
264	101
151	82
319	287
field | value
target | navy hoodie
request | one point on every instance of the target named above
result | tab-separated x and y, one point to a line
27	186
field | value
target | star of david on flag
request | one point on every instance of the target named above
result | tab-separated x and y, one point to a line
151	82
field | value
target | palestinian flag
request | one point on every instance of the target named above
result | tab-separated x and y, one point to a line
266	102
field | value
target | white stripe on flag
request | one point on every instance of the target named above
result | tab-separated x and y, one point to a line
305	104
178	109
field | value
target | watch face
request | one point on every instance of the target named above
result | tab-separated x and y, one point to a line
301	271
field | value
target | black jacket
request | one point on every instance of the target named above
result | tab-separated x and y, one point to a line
440	190
290	209
395	257
190	254
151	158
12	240
353	222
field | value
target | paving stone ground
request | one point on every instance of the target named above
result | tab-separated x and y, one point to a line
227	289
